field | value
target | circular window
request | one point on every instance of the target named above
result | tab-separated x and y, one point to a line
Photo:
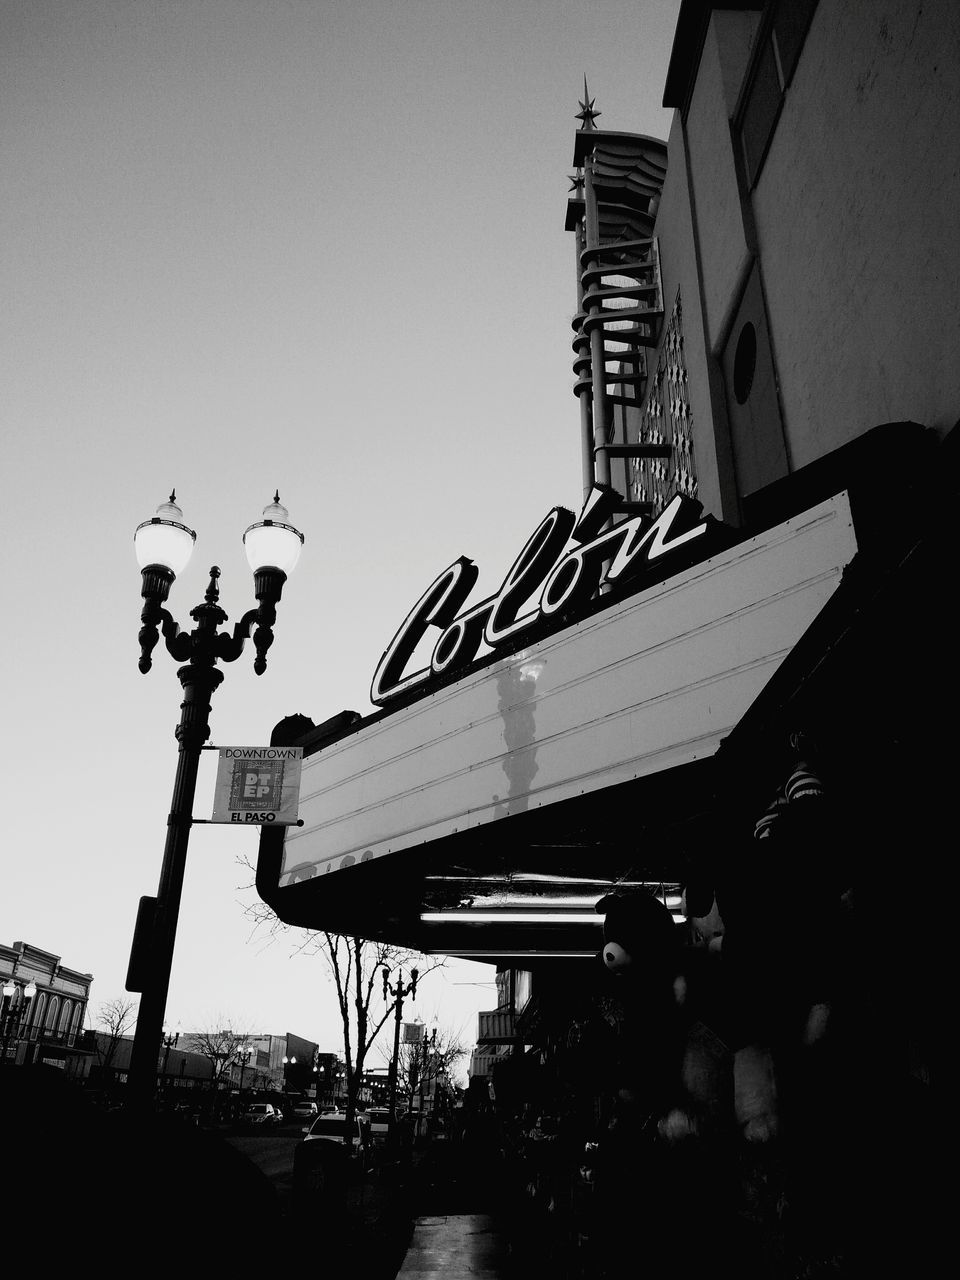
745	363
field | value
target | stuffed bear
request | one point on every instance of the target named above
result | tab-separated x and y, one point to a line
770	922
661	1148
642	952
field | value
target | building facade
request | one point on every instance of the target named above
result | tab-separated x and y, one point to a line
725	688
43	1009
259	1061
181	1074
802	261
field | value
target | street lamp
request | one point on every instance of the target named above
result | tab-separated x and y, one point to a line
288	1062
9	991
169	1040
29	991
14	1018
163	545
441	1098
243	1056
428	1052
398	991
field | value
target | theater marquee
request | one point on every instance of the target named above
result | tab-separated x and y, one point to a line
645	684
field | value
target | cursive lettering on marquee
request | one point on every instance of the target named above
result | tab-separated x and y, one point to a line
560	578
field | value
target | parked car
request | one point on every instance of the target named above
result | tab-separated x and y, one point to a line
305	1110
333	1129
323	1162
262	1115
379	1123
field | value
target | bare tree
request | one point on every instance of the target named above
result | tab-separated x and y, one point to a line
424	1065
355	966
114	1018
219	1047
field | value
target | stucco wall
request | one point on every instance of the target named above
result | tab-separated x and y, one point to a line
724	248
856	215
678	268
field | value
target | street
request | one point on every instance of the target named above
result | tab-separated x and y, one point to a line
272	1153
365	1222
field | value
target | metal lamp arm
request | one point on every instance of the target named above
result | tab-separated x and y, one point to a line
205	644
267	585
176	641
157	620
230	647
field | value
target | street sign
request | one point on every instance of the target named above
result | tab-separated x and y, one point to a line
412	1032
258	786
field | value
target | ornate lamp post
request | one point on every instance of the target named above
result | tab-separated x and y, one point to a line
243	1056
288	1062
163	546
15	1017
9	1013
428	1049
440	1105
398	990
169	1040
339	1077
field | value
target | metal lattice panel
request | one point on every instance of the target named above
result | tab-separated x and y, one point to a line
667	419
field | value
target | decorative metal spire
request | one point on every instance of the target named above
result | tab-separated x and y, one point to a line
587	114
576	183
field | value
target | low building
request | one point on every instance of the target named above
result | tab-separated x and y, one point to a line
180	1073
258	1061
43	1008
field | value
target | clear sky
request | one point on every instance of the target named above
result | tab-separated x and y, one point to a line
289	244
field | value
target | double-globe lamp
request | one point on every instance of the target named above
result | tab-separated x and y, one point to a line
164	544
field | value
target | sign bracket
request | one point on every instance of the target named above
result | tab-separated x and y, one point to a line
212	822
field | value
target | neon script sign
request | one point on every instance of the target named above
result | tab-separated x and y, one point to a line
562	579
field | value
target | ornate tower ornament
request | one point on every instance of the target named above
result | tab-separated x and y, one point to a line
587	115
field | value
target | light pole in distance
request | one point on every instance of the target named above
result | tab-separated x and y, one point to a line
398	990
243	1056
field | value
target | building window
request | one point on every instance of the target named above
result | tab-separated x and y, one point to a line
761	109
53	1008
790	23
778	50
666	419
745	363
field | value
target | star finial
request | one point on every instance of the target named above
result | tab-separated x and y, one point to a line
576	182
587	114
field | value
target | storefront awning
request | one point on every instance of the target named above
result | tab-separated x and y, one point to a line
484	819
496	1026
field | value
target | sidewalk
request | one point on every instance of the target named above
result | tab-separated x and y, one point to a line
461	1227
363	1226
456	1247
